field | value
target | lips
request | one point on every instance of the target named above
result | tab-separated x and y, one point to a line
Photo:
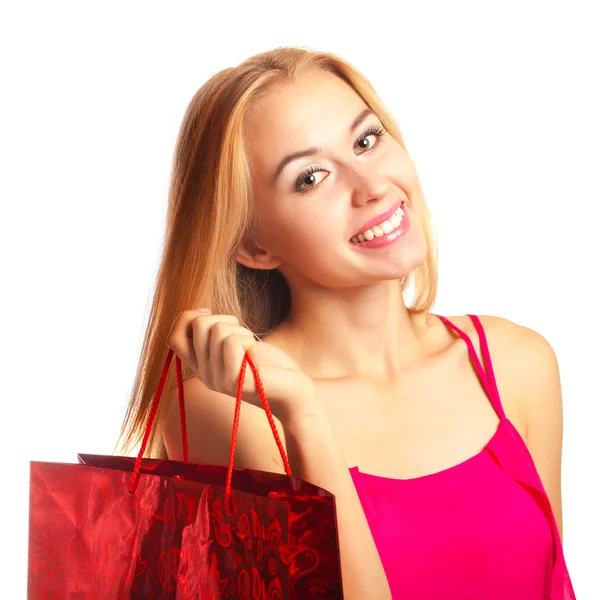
380	218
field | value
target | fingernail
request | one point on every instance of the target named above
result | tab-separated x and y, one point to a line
203	311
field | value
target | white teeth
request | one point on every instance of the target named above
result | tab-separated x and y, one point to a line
387	226
382	229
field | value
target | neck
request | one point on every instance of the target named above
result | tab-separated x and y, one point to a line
365	331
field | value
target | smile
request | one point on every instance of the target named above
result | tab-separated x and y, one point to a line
384	233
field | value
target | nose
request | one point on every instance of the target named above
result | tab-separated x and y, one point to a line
367	185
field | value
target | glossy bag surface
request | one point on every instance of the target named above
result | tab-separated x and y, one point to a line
120	527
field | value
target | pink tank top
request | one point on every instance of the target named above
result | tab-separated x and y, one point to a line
480	530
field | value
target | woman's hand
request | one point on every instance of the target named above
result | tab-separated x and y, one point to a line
213	347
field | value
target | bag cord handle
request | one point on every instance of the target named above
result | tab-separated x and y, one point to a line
236	419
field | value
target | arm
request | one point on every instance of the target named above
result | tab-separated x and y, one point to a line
531	376
314	456
542	408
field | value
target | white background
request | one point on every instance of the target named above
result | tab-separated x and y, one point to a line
498	103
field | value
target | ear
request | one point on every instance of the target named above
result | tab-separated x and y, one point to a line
252	256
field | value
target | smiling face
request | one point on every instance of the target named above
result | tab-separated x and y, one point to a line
308	208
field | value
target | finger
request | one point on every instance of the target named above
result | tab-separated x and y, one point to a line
219	333
234	347
189	330
202	327
180	338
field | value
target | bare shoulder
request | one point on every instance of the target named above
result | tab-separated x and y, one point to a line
504	337
209	420
524	363
530	362
527	368
529	354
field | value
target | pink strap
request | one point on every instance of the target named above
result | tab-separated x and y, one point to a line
487	386
487	361
138	463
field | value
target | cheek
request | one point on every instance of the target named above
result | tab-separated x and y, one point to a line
300	232
299	239
410	177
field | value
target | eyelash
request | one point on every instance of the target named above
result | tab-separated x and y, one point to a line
377	130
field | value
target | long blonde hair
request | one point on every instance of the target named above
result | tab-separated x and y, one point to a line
210	211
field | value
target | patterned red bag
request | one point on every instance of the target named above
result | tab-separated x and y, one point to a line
116	527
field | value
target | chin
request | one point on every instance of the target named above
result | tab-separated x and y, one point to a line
403	262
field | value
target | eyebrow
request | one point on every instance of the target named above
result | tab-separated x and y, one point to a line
367	112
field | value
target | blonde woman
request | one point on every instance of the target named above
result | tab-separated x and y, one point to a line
297	222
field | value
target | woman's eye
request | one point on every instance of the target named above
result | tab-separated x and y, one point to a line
308	174
300	186
364	138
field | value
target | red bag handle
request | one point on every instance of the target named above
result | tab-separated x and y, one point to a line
236	419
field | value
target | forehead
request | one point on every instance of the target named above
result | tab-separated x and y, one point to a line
314	110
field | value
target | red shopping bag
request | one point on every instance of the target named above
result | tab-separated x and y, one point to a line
116	527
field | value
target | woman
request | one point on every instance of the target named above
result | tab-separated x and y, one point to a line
297	221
